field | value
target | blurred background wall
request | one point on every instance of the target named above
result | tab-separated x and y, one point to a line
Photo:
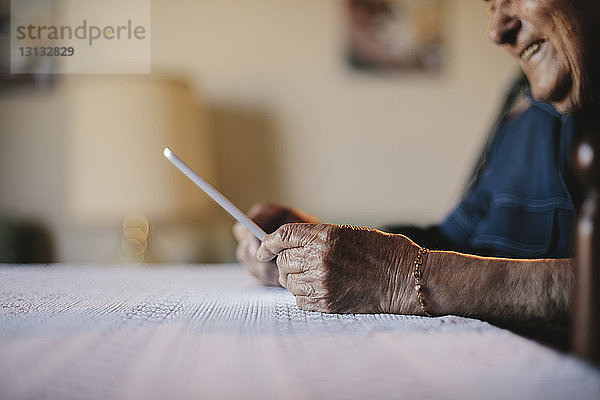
290	123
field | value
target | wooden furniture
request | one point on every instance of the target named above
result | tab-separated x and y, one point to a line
212	332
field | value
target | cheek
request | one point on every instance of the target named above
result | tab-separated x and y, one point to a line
569	47
538	11
531	8
552	81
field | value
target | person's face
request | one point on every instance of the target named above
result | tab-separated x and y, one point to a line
546	37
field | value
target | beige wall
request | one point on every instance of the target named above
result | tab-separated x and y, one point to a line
291	122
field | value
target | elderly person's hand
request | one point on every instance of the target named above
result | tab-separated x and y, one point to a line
340	268
269	217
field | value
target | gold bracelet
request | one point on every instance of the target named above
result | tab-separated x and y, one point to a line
418	274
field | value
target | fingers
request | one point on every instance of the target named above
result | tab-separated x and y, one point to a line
308	296
246	250
298	285
287	237
301	272
240	232
266	273
301	249
290	261
307	303
294	261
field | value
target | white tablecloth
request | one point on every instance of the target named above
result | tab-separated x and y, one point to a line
212	332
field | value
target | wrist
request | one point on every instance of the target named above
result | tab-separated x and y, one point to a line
420	287
402	297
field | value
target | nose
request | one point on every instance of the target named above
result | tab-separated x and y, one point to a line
504	26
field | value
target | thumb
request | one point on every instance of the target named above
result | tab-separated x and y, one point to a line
286	237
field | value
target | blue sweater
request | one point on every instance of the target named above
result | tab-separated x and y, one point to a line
523	202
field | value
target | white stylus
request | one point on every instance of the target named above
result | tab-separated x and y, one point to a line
215	195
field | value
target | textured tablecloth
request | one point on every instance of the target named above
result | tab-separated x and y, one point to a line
212	332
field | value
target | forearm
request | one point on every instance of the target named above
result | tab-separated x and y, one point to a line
499	290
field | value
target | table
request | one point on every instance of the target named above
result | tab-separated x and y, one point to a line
158	332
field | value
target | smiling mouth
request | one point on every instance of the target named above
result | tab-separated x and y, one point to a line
532	49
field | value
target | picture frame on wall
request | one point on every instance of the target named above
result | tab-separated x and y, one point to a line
395	35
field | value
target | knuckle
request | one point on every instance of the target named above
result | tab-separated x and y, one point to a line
308	289
328	232
286	232
258	209
283	261
320	273
283	258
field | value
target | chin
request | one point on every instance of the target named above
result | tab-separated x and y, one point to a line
566	98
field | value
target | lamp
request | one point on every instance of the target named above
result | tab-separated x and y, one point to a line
116	172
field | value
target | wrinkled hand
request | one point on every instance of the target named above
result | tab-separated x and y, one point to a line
269	217
338	268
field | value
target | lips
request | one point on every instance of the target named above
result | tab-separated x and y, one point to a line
531	50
